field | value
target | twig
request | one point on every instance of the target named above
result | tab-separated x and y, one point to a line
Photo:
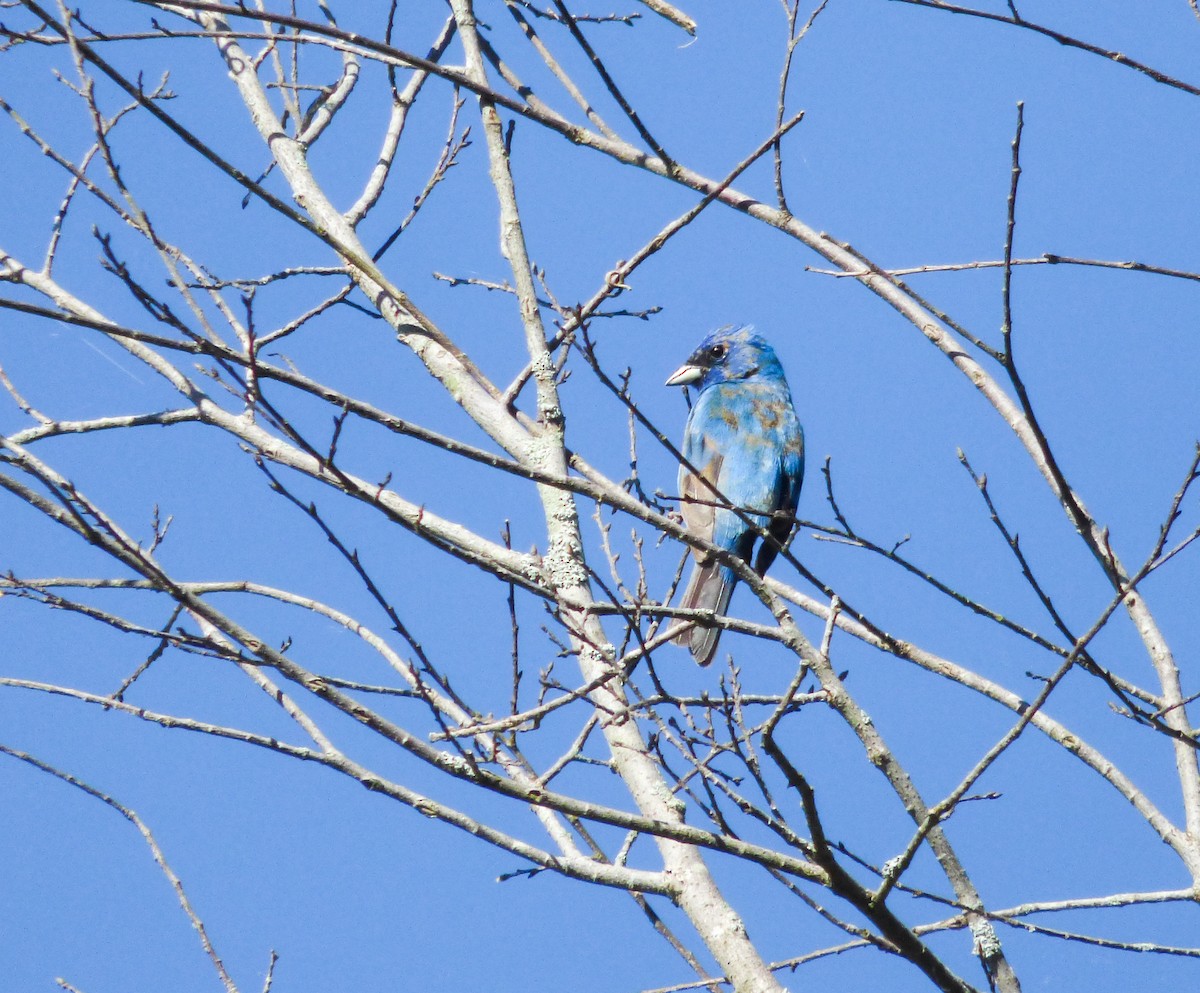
554	66
785	74
611	84
447	159
155	850
1063	39
1046	259
1010	227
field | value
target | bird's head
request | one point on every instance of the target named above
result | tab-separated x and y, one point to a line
729	354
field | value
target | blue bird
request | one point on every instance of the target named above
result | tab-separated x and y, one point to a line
742	439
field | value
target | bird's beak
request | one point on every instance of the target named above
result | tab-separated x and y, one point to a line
685	375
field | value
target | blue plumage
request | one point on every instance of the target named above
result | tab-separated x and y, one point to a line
744	438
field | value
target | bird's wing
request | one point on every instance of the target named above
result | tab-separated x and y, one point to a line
791	478
697	499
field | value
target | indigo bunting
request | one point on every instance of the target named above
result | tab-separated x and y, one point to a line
743	438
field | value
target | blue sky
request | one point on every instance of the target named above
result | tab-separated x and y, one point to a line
905	154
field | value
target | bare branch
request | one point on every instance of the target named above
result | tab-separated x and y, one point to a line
1063	39
155	850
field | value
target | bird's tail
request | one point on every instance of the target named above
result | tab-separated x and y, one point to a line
710	588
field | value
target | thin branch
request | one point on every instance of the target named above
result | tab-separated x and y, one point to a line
794	39
939	812
155	850
555	67
1010	227
1061	735
1046	259
1065	40
402	102
611	84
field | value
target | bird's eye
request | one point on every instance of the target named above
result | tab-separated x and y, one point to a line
718	351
